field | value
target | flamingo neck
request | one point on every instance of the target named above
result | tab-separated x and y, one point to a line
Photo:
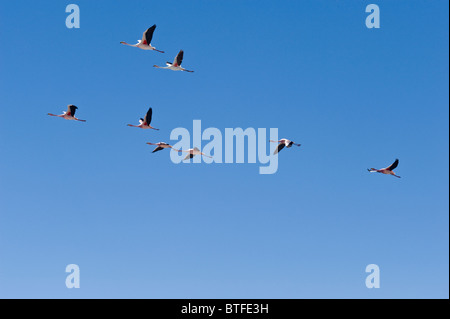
131	45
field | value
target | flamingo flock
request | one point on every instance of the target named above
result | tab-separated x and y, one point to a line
144	123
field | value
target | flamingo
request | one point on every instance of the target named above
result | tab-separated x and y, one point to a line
145	124
69	114
145	43
160	146
192	152
388	170
176	65
282	143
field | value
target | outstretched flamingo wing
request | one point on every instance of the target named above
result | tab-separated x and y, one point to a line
148	116
71	109
159	148
178	59
393	165
279	148
147	36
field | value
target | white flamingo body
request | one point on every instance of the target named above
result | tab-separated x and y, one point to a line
172	67
143	46
69	114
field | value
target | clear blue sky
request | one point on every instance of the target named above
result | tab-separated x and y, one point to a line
140	226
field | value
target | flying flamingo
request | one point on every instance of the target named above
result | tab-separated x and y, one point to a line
388	170
192	152
145	43
176	65
282	143
160	146
145	124
69	114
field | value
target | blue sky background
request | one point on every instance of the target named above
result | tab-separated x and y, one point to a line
140	226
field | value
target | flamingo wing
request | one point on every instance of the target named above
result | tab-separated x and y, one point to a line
159	148
179	58
71	109
279	148
148	116
147	36
393	165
